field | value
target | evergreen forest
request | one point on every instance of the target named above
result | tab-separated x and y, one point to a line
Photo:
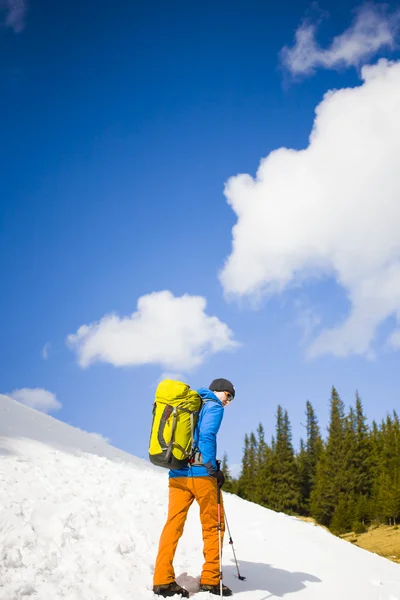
346	482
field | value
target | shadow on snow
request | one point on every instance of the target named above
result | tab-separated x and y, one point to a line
265	577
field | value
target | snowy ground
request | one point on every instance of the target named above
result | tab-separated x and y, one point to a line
83	526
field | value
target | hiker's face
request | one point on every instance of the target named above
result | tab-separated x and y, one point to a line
227	399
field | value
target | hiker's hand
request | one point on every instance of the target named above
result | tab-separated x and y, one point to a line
220	478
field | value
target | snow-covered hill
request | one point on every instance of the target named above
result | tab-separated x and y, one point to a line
19	421
80	520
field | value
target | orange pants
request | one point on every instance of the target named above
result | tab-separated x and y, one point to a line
182	492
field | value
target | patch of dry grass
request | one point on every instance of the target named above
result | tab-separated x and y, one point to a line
383	540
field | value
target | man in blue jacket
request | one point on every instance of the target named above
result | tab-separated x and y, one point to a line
199	480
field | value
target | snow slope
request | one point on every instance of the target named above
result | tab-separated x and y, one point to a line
19	421
80	520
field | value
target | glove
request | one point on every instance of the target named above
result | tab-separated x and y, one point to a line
220	478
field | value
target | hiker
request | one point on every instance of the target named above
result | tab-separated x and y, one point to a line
199	480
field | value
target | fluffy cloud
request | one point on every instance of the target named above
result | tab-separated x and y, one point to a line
174	333
36	398
373	29
332	209
15	13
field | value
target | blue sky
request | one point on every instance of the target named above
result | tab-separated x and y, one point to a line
122	123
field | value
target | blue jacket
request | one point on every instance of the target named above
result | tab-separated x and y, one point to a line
205	437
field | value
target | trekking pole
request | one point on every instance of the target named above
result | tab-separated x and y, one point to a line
234	553
219	539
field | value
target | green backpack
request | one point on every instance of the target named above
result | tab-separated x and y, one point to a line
175	412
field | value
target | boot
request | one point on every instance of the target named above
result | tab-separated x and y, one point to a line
170	589
215	589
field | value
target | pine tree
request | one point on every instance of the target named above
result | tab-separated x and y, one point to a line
387	484
264	470
252	468
285	485
331	466
248	477
308	457
363	453
375	439
261	482
349	471
362	465
245	470
340	522
301	460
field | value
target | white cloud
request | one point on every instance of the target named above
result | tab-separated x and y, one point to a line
15	13
46	350
373	28
332	209
173	332
37	398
